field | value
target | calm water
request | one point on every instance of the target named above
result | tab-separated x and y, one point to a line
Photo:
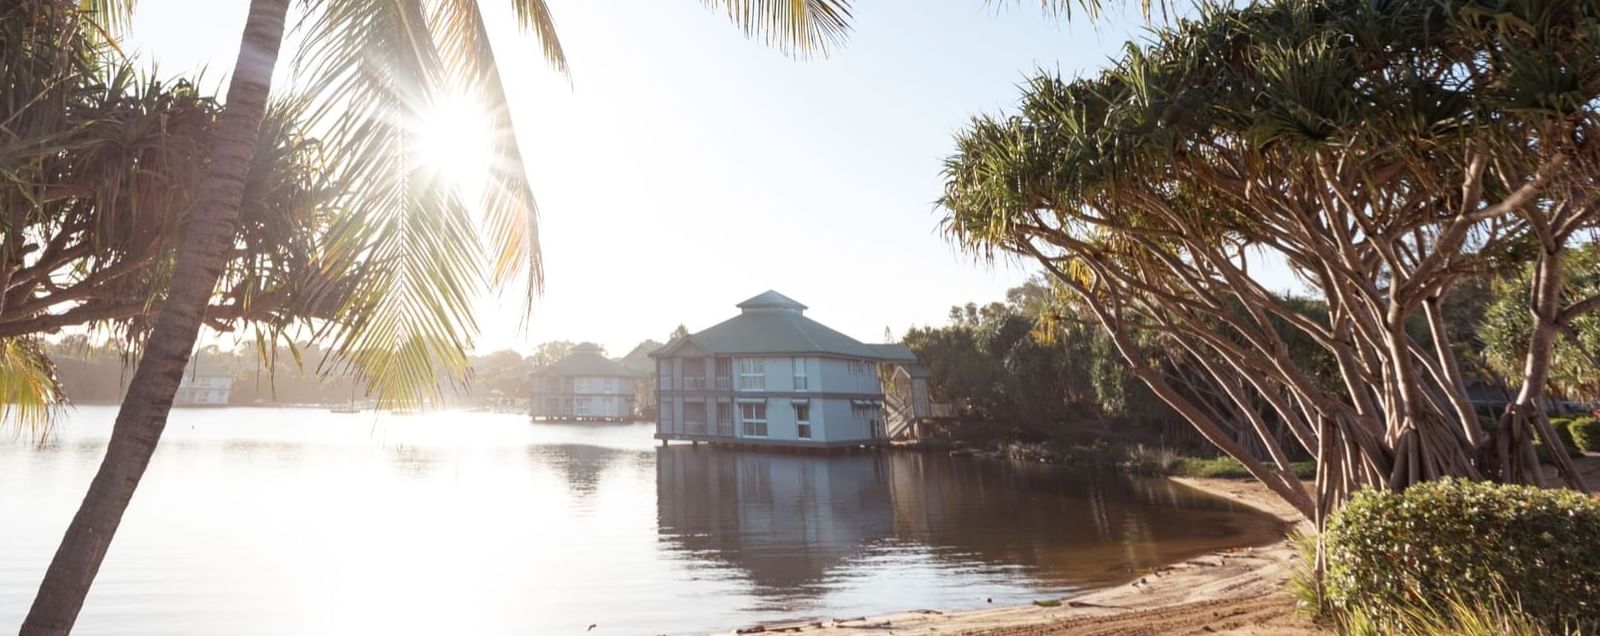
269	521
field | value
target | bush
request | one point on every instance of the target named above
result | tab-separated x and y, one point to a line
1461	542
1585	433
1564	431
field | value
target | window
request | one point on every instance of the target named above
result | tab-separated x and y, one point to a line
580	406
800	383
865	415
752	375
666	415
694	373
694	417
802	420
753	416
724	374
725	419
664	372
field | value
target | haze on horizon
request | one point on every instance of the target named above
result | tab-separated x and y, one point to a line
686	168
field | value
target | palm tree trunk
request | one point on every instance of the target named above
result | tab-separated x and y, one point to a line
160	370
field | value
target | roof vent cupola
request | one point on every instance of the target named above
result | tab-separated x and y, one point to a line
772	301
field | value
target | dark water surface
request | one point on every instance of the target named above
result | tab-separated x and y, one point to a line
285	521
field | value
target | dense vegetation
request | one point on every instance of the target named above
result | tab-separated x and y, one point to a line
1014	374
1455	541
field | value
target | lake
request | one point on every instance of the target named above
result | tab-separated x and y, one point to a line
300	521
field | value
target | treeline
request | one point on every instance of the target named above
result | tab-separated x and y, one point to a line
98	373
93	372
1019	370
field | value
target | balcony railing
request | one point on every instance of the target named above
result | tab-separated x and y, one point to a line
694	383
725	383
695	428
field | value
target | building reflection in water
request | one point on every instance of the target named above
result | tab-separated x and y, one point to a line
790	522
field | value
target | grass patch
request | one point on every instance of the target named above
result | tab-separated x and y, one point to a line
1303	585
1228	467
1454	617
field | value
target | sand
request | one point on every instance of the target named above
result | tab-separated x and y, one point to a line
1230	592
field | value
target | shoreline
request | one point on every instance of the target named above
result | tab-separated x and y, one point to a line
1237	590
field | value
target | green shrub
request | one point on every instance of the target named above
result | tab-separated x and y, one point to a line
1562	425
1228	467
1463	542
1585	433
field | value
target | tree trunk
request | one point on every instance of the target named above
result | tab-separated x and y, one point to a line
200	261
1526	417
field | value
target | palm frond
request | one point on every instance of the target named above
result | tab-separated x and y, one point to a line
534	16
113	16
28	388
508	212
801	28
403	229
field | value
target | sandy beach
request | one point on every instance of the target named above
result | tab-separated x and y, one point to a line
1229	592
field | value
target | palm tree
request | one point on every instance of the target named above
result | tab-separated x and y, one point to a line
374	65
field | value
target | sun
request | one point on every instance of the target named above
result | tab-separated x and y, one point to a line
455	141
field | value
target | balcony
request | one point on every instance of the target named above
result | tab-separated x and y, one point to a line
692	383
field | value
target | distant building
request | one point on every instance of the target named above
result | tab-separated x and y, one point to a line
639	363
200	389
585	385
772	376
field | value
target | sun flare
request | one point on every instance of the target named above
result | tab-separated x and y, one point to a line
455	142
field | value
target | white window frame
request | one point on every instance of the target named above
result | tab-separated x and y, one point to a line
748	423
752	374
801	382
802	426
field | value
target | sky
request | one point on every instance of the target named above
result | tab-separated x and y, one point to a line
685	167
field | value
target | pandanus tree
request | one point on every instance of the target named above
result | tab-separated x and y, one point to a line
418	249
99	166
1381	151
